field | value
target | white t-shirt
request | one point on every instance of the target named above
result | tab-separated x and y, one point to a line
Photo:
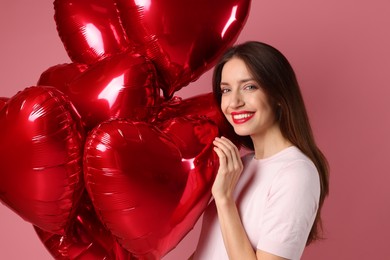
277	198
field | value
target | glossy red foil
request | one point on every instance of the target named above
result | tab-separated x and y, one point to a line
40	157
86	238
150	184
90	30
124	85
183	38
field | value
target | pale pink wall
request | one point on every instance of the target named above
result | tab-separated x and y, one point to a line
340	50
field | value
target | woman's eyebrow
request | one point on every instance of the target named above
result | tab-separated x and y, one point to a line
240	81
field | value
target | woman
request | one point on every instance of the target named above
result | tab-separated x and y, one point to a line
267	204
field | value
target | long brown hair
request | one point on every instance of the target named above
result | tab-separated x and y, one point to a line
271	69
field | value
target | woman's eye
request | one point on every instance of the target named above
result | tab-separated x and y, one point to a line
250	87
224	90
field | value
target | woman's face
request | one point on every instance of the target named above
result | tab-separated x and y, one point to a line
243	101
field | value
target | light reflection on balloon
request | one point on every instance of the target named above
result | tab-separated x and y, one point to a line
124	85
232	18
94	38
3	100
111	91
90	30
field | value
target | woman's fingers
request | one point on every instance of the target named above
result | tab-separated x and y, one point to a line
228	154
230	168
222	157
228	145
225	146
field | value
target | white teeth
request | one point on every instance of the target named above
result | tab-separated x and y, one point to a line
241	116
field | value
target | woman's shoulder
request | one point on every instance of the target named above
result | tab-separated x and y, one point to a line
293	155
299	169
290	158
296	156
291	163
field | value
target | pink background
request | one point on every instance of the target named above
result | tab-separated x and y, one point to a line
340	50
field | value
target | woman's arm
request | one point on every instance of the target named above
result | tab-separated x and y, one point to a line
234	235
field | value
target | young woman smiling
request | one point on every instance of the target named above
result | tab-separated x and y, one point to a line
267	203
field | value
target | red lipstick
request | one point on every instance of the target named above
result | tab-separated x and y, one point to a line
241	117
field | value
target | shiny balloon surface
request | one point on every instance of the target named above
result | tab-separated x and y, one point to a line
41	154
183	38
150	184
86	238
100	156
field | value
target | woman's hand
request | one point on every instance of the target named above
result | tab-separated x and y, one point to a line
230	168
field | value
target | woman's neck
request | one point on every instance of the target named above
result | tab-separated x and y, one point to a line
270	142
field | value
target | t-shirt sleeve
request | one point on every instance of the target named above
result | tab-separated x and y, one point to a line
290	211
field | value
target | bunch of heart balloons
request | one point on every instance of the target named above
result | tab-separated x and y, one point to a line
100	156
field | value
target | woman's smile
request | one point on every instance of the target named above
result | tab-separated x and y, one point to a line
241	117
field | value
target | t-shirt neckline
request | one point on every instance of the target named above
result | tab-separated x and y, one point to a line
275	156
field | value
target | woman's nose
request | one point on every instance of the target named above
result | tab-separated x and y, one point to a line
236	100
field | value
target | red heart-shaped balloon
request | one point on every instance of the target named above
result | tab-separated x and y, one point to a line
90	30
124	85
183	38
85	239
201	105
150	184
40	157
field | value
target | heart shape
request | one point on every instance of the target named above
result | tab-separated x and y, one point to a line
124	85
40	157
183	38
90	30
150	184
